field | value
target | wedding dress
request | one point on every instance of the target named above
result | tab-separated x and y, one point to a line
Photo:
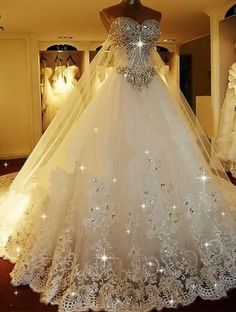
63	82
47	97
69	74
119	207
226	138
54	96
59	87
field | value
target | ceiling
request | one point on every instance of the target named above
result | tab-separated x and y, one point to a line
182	20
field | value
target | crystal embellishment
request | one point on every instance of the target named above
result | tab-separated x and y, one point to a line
137	40
137	79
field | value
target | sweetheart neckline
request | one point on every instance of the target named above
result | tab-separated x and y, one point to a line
132	19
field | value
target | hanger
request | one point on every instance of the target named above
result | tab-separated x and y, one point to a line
43	60
58	59
70	58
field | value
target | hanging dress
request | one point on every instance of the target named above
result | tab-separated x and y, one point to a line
47	97
226	138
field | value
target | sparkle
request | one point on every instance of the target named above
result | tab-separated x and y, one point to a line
161	270
223	213
97	208
73	294
5	164
150	263
128	231
204	178
140	44
43	216
146	152
206	244
16	292
174	206
82	167
104	258
95	129
114	180
171	301
215	285
143	206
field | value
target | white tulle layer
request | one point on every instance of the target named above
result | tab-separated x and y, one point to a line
126	215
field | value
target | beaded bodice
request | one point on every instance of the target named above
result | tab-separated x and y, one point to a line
136	42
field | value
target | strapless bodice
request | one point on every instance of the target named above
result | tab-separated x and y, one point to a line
136	41
127	32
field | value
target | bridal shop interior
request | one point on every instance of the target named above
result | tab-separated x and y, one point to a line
47	46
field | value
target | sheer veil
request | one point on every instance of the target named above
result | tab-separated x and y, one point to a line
13	202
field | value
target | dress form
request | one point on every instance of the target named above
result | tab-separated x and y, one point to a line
128	8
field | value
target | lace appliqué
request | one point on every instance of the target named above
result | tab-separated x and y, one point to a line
137	40
102	212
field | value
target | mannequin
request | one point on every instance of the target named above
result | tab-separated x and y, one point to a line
128	8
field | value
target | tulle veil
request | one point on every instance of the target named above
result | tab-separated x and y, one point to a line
13	203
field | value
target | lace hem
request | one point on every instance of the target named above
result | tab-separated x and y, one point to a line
76	302
104	275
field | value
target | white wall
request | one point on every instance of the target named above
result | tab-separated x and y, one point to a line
20	111
204	114
201	65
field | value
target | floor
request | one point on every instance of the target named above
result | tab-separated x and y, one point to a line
23	299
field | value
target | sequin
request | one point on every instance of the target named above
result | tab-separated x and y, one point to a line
137	40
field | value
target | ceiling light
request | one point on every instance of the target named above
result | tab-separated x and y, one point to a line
65	37
1	28
169	40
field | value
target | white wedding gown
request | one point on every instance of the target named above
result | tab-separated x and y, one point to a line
47	97
69	73
226	138
54	96
121	211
